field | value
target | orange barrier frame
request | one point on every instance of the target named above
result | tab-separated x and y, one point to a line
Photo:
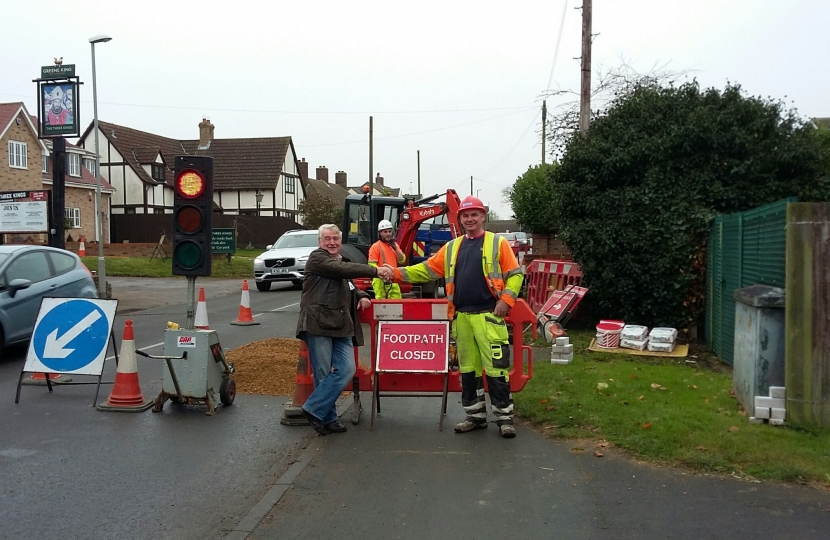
435	384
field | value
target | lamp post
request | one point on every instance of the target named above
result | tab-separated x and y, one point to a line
258	200
102	272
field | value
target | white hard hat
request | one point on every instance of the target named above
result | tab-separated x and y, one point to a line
384	225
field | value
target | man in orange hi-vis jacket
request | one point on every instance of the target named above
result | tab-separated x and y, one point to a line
386	252
483	279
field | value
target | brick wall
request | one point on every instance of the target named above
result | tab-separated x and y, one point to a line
118	250
85	200
550	247
28	179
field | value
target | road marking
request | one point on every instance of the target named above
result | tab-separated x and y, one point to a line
278	309
153	346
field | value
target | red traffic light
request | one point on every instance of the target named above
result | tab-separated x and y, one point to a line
190	184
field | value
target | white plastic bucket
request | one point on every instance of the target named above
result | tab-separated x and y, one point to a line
608	335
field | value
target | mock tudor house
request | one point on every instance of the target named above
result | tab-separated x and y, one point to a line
28	167
252	176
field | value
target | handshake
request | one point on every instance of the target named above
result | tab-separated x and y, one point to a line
386	273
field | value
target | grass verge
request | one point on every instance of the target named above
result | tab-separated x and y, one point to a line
670	411
240	266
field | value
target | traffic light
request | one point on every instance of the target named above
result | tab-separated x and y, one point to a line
192	215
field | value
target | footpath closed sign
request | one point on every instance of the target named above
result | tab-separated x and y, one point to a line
71	336
413	346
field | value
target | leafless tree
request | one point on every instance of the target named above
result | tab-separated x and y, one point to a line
611	84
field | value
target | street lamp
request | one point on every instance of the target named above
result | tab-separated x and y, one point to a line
102	272
258	200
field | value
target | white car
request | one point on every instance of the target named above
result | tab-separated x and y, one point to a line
285	260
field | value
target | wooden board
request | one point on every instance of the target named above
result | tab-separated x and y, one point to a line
680	351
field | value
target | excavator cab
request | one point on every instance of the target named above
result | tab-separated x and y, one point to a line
360	222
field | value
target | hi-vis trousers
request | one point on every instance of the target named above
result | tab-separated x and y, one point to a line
482	342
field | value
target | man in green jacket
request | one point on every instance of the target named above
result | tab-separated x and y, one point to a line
329	325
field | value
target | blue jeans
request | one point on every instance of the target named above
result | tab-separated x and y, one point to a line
332	359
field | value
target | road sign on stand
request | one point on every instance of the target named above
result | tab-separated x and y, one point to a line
71	336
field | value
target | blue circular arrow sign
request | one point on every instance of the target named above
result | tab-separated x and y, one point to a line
71	335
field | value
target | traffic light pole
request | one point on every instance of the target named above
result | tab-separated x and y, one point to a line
191	301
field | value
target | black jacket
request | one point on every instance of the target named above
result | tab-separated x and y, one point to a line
328	304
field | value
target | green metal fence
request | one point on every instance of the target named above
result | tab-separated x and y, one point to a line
745	249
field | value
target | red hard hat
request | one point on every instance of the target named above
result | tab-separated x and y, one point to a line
471	203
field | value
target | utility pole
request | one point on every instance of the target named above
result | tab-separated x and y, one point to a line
471	185
585	90
419	172
371	172
544	121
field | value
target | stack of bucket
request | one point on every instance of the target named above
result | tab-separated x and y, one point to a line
608	333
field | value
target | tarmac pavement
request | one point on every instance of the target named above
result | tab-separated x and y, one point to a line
408	480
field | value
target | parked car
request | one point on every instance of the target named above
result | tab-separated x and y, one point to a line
27	274
524	241
513	240
285	260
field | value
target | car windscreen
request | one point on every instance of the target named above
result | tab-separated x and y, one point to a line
296	241
507	236
3	257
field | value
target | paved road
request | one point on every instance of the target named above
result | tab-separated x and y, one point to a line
69	471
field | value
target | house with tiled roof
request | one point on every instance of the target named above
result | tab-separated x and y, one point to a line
27	166
141	167
336	191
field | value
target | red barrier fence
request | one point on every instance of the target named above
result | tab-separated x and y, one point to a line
544	276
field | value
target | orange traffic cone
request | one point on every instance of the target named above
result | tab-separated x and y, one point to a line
126	394
201	322
303	387
245	318
39	378
82	248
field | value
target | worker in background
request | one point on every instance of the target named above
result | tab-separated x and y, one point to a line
483	280
386	252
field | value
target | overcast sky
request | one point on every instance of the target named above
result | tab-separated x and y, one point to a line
459	81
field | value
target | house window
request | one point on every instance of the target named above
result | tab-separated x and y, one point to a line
75	215
74	163
90	165
157	172
17	155
44	163
289	184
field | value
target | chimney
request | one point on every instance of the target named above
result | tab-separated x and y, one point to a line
379	180
205	133
304	170
340	179
323	173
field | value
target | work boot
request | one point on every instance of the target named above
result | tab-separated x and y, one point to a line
469	425
507	431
